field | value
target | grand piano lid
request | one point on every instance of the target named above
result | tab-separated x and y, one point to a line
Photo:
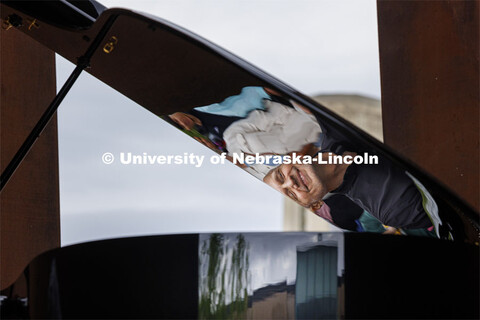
68	14
166	69
145	58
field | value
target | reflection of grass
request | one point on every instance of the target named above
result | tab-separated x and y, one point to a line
193	133
224	290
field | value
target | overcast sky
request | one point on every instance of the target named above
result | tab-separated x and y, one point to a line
314	46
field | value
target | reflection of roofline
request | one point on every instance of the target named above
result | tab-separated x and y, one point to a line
324	243
270	290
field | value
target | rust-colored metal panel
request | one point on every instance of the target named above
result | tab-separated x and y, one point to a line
429	59
30	219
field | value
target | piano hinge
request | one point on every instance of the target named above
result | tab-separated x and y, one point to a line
12	20
110	45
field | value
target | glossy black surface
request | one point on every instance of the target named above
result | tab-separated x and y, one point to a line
410	277
75	15
257	276
149	277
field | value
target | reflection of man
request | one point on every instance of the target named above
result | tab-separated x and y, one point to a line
207	124
279	129
345	214
190	124
383	190
258	120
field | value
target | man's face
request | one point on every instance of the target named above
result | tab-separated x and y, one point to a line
299	182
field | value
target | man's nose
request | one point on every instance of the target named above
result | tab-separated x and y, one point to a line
288	183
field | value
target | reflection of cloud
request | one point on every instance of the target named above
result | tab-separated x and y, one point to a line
273	257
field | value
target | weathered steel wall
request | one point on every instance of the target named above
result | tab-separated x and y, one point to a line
29	211
429	59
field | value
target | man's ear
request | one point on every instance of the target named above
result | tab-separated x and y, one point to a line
316	205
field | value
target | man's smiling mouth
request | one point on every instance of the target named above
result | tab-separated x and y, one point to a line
303	179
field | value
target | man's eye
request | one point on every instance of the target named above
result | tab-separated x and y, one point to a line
281	178
292	195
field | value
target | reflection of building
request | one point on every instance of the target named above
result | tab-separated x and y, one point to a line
317	283
366	113
275	301
245	283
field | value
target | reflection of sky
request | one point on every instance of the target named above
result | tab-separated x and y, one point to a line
102	201
315	46
273	256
